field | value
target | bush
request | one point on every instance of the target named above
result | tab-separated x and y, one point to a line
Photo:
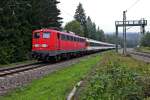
114	82
145	41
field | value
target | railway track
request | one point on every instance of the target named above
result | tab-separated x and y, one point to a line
22	68
27	67
140	56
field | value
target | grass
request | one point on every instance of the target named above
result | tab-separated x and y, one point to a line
54	86
118	78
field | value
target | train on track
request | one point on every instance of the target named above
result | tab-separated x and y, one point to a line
50	44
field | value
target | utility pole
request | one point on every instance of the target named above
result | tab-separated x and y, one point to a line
124	33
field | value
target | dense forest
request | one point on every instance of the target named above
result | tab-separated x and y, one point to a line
17	20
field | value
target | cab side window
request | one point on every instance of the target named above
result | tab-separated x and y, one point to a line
36	35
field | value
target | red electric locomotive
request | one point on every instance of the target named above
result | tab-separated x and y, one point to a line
49	43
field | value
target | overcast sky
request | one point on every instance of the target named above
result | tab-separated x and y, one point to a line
105	12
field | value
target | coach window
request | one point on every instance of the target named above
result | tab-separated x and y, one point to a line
78	39
36	35
71	38
74	38
67	37
58	35
46	34
62	37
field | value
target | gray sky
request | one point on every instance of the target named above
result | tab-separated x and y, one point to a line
105	12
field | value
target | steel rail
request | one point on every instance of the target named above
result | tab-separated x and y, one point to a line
140	54
13	70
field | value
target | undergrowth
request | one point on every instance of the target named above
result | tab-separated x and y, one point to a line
115	80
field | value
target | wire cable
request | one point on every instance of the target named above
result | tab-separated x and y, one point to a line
132	5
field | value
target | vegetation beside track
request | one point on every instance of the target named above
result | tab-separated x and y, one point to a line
117	78
144	49
55	86
18	63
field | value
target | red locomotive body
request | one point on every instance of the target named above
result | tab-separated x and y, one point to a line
48	42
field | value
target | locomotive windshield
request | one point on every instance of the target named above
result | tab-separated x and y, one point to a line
36	35
46	34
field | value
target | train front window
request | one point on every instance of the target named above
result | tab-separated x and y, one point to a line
36	35
46	34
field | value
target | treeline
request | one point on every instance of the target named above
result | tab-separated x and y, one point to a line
83	25
145	41
17	20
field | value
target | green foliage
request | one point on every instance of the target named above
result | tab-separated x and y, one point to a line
81	18
117	78
112	39
89	27
45	13
80	15
100	35
93	32
114	83
145	41
75	27
17	20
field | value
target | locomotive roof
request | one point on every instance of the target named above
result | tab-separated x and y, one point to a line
39	30
65	33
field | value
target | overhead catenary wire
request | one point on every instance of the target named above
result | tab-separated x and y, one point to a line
68	13
132	5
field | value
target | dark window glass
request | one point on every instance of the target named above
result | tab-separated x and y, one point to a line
78	39
36	35
68	37
62	37
58	35
74	38
71	38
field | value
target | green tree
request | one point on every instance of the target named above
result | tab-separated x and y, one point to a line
145	41
75	27
81	17
46	14
17	20
111	38
93	32
89	25
100	35
80	14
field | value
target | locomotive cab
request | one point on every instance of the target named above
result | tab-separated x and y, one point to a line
44	42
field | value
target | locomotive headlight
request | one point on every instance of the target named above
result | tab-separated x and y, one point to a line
36	45
44	45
